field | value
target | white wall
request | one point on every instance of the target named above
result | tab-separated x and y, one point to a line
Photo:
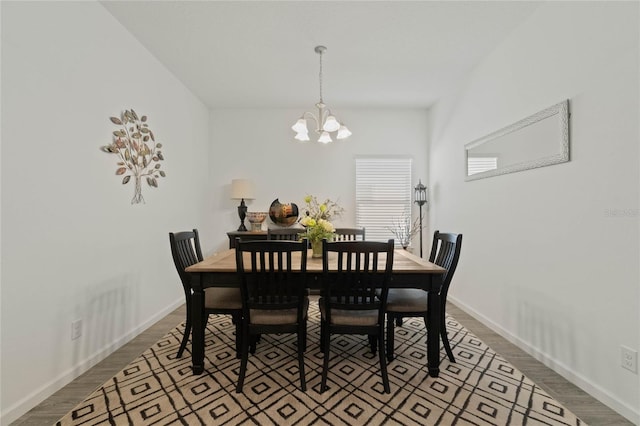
73	247
259	145
544	261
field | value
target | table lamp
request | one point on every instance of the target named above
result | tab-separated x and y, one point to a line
241	189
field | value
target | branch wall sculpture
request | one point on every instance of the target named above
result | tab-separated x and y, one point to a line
138	153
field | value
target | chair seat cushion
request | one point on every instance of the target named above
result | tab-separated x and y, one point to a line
407	300
222	298
348	316
278	317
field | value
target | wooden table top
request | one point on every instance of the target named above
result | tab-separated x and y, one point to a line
403	262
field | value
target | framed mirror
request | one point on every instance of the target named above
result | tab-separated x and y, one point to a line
539	140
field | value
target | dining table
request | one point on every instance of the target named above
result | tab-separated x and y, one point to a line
409	271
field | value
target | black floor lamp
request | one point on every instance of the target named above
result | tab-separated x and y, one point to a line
420	198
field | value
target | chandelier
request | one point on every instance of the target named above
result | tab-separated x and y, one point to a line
326	123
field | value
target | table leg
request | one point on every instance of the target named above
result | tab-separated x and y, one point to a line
433	333
197	321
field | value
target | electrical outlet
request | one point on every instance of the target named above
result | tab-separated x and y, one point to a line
76	329
629	359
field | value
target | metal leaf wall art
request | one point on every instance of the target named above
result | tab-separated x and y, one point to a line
139	155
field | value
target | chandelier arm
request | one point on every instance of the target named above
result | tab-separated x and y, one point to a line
308	114
326	114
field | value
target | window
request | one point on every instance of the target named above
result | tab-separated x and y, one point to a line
479	164
383	193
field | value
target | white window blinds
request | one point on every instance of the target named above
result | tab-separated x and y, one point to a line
383	193
478	164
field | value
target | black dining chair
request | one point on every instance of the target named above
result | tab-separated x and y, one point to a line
272	278
405	302
186	251
354	295
288	234
349	234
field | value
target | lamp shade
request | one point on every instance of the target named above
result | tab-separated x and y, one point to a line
300	126
242	189
331	124
324	138
343	133
302	136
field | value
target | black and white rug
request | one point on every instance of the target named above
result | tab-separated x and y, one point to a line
481	388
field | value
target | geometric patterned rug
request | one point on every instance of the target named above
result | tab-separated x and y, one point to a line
481	388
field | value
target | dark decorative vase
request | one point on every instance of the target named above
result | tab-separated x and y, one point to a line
283	214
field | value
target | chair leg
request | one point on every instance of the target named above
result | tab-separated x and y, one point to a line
383	361
187	327
322	331
237	320
445	342
253	341
185	337
325	362
304	337
373	343
390	336
245	356
302	331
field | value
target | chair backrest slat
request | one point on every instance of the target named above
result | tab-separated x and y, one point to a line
272	280
287	234
360	280
349	234
185	250
445	252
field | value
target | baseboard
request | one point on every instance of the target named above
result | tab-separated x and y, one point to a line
23	406
592	389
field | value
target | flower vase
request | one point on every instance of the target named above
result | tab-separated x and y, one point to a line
316	248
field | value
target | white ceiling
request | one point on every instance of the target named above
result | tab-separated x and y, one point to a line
246	54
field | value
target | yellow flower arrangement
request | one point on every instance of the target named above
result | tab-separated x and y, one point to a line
317	221
317	229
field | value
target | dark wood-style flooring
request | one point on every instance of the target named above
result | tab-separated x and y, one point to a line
579	402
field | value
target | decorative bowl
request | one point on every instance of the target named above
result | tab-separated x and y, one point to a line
256	219
283	214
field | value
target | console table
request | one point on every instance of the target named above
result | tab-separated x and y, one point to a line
245	235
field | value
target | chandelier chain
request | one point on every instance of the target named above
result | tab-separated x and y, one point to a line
321	101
